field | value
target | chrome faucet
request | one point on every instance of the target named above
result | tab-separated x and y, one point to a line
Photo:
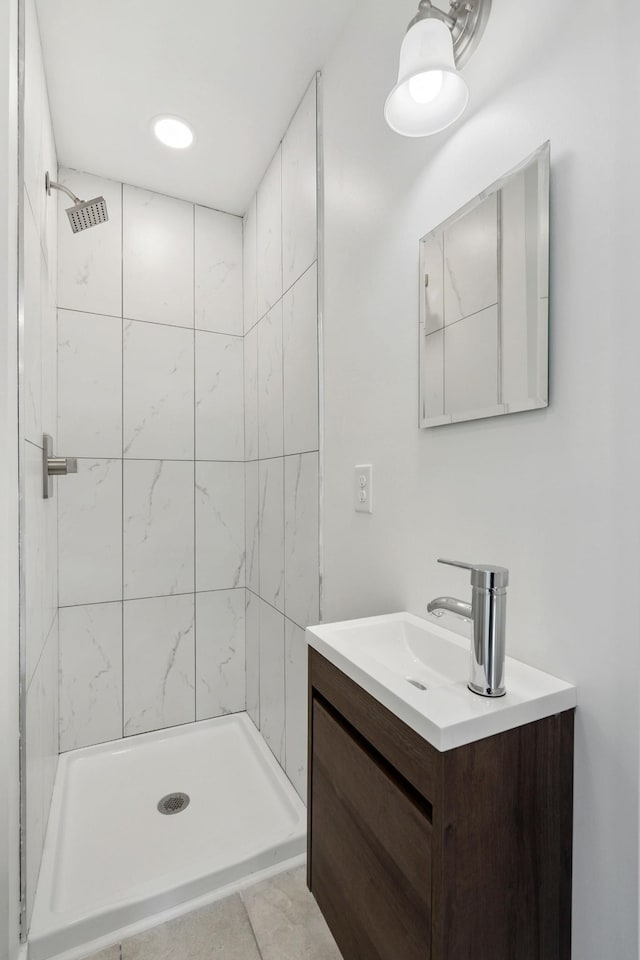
487	613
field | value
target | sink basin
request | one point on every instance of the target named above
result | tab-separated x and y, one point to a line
406	649
419	671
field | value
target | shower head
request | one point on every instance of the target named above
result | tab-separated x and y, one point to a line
88	213
84	213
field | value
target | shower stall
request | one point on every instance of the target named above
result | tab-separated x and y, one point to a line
172	351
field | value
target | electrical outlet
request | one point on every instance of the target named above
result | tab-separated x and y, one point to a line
363	488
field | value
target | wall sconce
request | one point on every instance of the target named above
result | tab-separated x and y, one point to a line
430	93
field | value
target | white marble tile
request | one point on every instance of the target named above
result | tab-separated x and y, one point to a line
432	384
471	363
251	395
271	477
48	669
49	217
471	262
158	528
50	547
159	654
252	655
90	263
89	385
158	391
41	559
270	399
432	282
49	315
301	588
90	533
34	557
34	107
218	271
272	679
269	236
220	653
296	698
300	364
299	219
158	275
219	397
250	267
32	375
252	524
90	674
220	557
41	754
34	786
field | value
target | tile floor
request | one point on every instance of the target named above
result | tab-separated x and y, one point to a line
274	920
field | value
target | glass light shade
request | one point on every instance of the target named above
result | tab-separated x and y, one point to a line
430	94
173	132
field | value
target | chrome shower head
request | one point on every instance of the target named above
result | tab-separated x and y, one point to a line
84	213
87	214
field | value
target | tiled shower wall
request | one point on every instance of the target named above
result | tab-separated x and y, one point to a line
150	360
38	415
154	403
281	439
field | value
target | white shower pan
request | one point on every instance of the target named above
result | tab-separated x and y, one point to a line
111	859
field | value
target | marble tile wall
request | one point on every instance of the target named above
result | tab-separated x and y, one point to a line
152	528
38	414
281	439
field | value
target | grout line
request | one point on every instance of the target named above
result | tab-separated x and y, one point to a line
280	299
454	323
122	622
258	597
286	456
154	323
320	303
248	915
155	596
283	760
195	451
95	313
160	459
32	443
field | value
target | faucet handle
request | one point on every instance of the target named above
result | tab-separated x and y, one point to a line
486	575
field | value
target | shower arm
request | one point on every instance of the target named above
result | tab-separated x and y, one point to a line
52	185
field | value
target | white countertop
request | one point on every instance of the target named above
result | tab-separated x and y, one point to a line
381	654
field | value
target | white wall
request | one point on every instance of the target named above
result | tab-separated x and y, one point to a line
9	782
150	360
39	415
550	494
281	438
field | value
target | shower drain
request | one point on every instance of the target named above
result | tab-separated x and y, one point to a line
174	803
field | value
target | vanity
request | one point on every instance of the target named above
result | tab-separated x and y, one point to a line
439	822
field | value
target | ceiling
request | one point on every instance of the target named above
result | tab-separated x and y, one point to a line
234	71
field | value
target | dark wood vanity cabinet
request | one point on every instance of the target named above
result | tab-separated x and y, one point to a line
414	854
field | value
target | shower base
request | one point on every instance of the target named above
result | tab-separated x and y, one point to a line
112	860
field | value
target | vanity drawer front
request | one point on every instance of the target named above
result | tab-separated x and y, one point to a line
406	750
370	848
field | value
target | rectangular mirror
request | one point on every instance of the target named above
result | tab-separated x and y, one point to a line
484	302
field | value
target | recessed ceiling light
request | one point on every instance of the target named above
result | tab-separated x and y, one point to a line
173	132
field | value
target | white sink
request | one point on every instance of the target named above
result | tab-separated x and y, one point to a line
419	670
